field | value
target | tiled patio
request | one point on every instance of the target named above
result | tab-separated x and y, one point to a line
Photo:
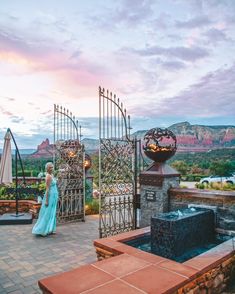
131	270
24	258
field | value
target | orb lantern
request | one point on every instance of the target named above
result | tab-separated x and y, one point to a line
69	149
87	162
159	144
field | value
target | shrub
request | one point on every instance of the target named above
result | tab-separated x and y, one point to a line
222	186
2	191
92	207
200	186
190	178
229	187
216	186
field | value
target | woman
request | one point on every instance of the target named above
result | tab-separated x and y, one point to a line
46	223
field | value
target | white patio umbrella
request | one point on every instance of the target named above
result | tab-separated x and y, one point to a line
6	161
6	178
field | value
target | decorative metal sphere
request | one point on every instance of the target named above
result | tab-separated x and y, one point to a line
159	144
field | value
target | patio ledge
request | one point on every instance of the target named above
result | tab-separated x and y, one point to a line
133	271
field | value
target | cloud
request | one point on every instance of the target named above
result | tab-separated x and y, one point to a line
4	111
8	98
31	54
173	65
196	22
134	12
212	96
215	36
45	20
162	22
127	12
45	56
184	53
76	54
16	119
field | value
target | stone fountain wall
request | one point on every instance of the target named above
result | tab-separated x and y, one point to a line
223	203
172	234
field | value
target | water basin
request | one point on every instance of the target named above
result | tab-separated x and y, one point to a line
144	243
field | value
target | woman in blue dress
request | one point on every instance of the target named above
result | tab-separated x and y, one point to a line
46	223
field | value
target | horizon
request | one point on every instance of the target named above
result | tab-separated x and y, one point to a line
34	148
168	61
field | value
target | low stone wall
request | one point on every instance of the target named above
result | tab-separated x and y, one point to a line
29	180
212	272
8	206
104	254
222	201
214	281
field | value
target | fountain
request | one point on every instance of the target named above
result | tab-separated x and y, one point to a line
177	235
180	235
181	245
174	233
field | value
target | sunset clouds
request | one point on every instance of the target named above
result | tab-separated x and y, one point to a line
165	60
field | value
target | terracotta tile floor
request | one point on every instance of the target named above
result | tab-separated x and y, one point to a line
121	265
71	282
115	287
145	279
133	271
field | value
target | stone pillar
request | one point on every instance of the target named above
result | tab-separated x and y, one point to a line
154	185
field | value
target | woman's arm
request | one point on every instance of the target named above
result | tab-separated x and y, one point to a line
48	183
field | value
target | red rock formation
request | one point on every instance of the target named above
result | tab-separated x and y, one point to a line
43	145
187	140
229	135
45	149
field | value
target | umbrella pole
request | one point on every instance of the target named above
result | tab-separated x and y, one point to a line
16	183
16	169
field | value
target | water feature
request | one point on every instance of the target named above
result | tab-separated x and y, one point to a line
175	232
144	243
180	235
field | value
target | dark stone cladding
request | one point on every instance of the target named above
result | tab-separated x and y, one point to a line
172	235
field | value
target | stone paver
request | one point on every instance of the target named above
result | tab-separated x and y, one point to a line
24	258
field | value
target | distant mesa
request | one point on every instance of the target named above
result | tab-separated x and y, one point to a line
190	138
200	138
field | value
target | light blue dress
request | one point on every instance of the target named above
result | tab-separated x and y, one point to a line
46	223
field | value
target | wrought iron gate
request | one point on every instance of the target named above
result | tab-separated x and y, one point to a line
69	162
117	167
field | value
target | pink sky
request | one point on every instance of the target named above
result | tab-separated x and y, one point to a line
168	61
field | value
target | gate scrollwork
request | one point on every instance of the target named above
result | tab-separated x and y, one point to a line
116	168
69	161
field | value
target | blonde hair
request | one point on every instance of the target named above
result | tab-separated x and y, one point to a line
48	164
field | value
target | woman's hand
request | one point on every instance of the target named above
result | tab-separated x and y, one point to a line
46	203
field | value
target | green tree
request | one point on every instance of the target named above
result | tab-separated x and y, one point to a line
95	168
221	168
181	166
